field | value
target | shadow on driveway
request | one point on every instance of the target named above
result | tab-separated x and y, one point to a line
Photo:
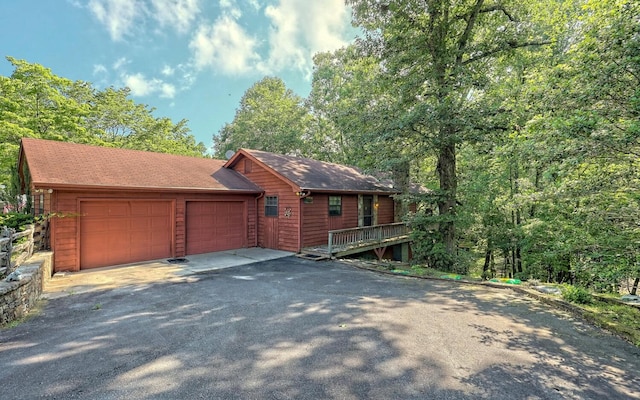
292	328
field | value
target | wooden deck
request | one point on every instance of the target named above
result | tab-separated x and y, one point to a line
344	242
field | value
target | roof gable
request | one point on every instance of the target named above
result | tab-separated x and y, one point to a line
308	174
64	164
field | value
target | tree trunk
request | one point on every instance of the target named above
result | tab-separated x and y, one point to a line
537	186
517	256
506	272
447	202
486	268
634	289
402	183
516	220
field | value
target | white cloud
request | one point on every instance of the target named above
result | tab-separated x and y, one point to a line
224	46
178	14
230	8
167	90
167	70
120	63
122	18
254	4
118	16
235	43
99	69
141	86
301	28
187	73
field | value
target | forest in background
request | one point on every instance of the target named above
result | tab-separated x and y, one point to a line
521	117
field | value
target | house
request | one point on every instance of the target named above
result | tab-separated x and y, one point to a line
303	199
115	206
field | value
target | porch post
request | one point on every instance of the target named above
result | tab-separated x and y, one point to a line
360	211
330	244
375	206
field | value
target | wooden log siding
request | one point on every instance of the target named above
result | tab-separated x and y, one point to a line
342	239
288	208
8	260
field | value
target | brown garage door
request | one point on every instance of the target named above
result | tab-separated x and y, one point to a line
215	226
119	232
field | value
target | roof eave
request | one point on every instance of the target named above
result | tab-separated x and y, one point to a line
349	191
63	186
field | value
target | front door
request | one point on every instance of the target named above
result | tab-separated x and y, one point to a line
271	233
367	210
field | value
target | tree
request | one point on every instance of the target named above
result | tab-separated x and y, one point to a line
347	106
270	118
591	139
438	55
34	102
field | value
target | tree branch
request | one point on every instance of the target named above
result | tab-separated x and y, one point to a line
471	21
499	7
488	9
510	45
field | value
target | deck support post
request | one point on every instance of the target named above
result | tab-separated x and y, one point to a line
380	252
405	252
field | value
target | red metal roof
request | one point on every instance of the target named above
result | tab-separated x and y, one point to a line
308	174
64	164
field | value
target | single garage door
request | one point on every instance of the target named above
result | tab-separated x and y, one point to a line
215	226
120	232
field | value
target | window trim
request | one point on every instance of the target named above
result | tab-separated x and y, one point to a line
270	210
335	209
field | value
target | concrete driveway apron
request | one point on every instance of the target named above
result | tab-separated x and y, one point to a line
147	273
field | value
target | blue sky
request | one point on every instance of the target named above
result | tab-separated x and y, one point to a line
190	59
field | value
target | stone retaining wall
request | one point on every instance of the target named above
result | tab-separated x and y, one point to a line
18	297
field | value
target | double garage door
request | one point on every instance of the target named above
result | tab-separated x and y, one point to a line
118	232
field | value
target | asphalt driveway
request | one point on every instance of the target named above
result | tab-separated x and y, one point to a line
298	329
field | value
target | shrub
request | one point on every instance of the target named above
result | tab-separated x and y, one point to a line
576	294
16	220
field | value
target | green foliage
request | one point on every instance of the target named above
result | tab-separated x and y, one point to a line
16	220
36	103
428	247
349	103
270	118
576	294
440	66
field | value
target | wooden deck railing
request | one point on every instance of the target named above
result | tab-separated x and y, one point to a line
366	235
12	255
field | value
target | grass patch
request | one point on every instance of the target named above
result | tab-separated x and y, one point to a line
421	271
621	319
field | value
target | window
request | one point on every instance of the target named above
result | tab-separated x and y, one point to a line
271	206
335	205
